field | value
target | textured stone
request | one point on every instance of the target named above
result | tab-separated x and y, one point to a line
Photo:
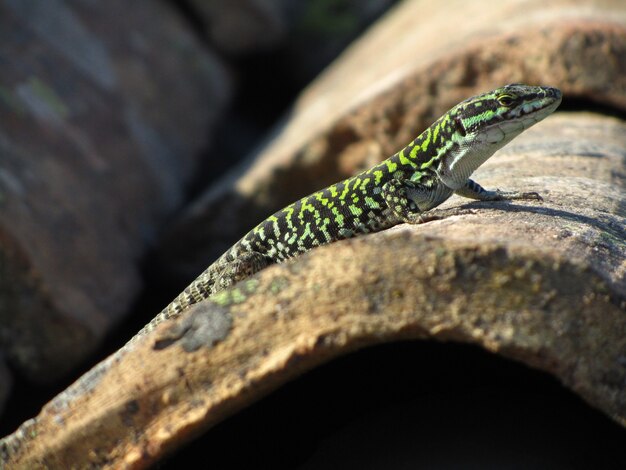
412	66
542	283
103	110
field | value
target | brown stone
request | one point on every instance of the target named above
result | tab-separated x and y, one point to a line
542	283
103	110
418	61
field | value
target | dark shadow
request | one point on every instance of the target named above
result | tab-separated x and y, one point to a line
408	405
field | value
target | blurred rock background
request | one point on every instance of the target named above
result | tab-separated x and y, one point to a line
112	116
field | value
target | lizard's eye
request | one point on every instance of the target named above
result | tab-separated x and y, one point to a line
506	100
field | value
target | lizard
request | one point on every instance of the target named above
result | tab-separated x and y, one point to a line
401	189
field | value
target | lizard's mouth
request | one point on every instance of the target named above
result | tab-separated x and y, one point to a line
535	111
538	107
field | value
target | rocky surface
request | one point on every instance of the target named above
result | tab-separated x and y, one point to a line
419	60
104	109
541	283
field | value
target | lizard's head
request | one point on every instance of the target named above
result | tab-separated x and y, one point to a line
496	117
485	123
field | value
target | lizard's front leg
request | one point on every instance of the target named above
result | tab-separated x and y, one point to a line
416	203
473	190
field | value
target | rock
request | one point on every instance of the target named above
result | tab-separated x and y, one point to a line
417	62
541	283
103	111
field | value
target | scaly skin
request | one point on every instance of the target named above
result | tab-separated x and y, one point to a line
400	189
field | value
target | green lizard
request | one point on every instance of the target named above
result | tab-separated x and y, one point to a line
400	189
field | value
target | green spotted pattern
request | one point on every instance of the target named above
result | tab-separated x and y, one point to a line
399	189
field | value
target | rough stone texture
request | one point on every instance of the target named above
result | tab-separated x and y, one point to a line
103	110
542	283
406	71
